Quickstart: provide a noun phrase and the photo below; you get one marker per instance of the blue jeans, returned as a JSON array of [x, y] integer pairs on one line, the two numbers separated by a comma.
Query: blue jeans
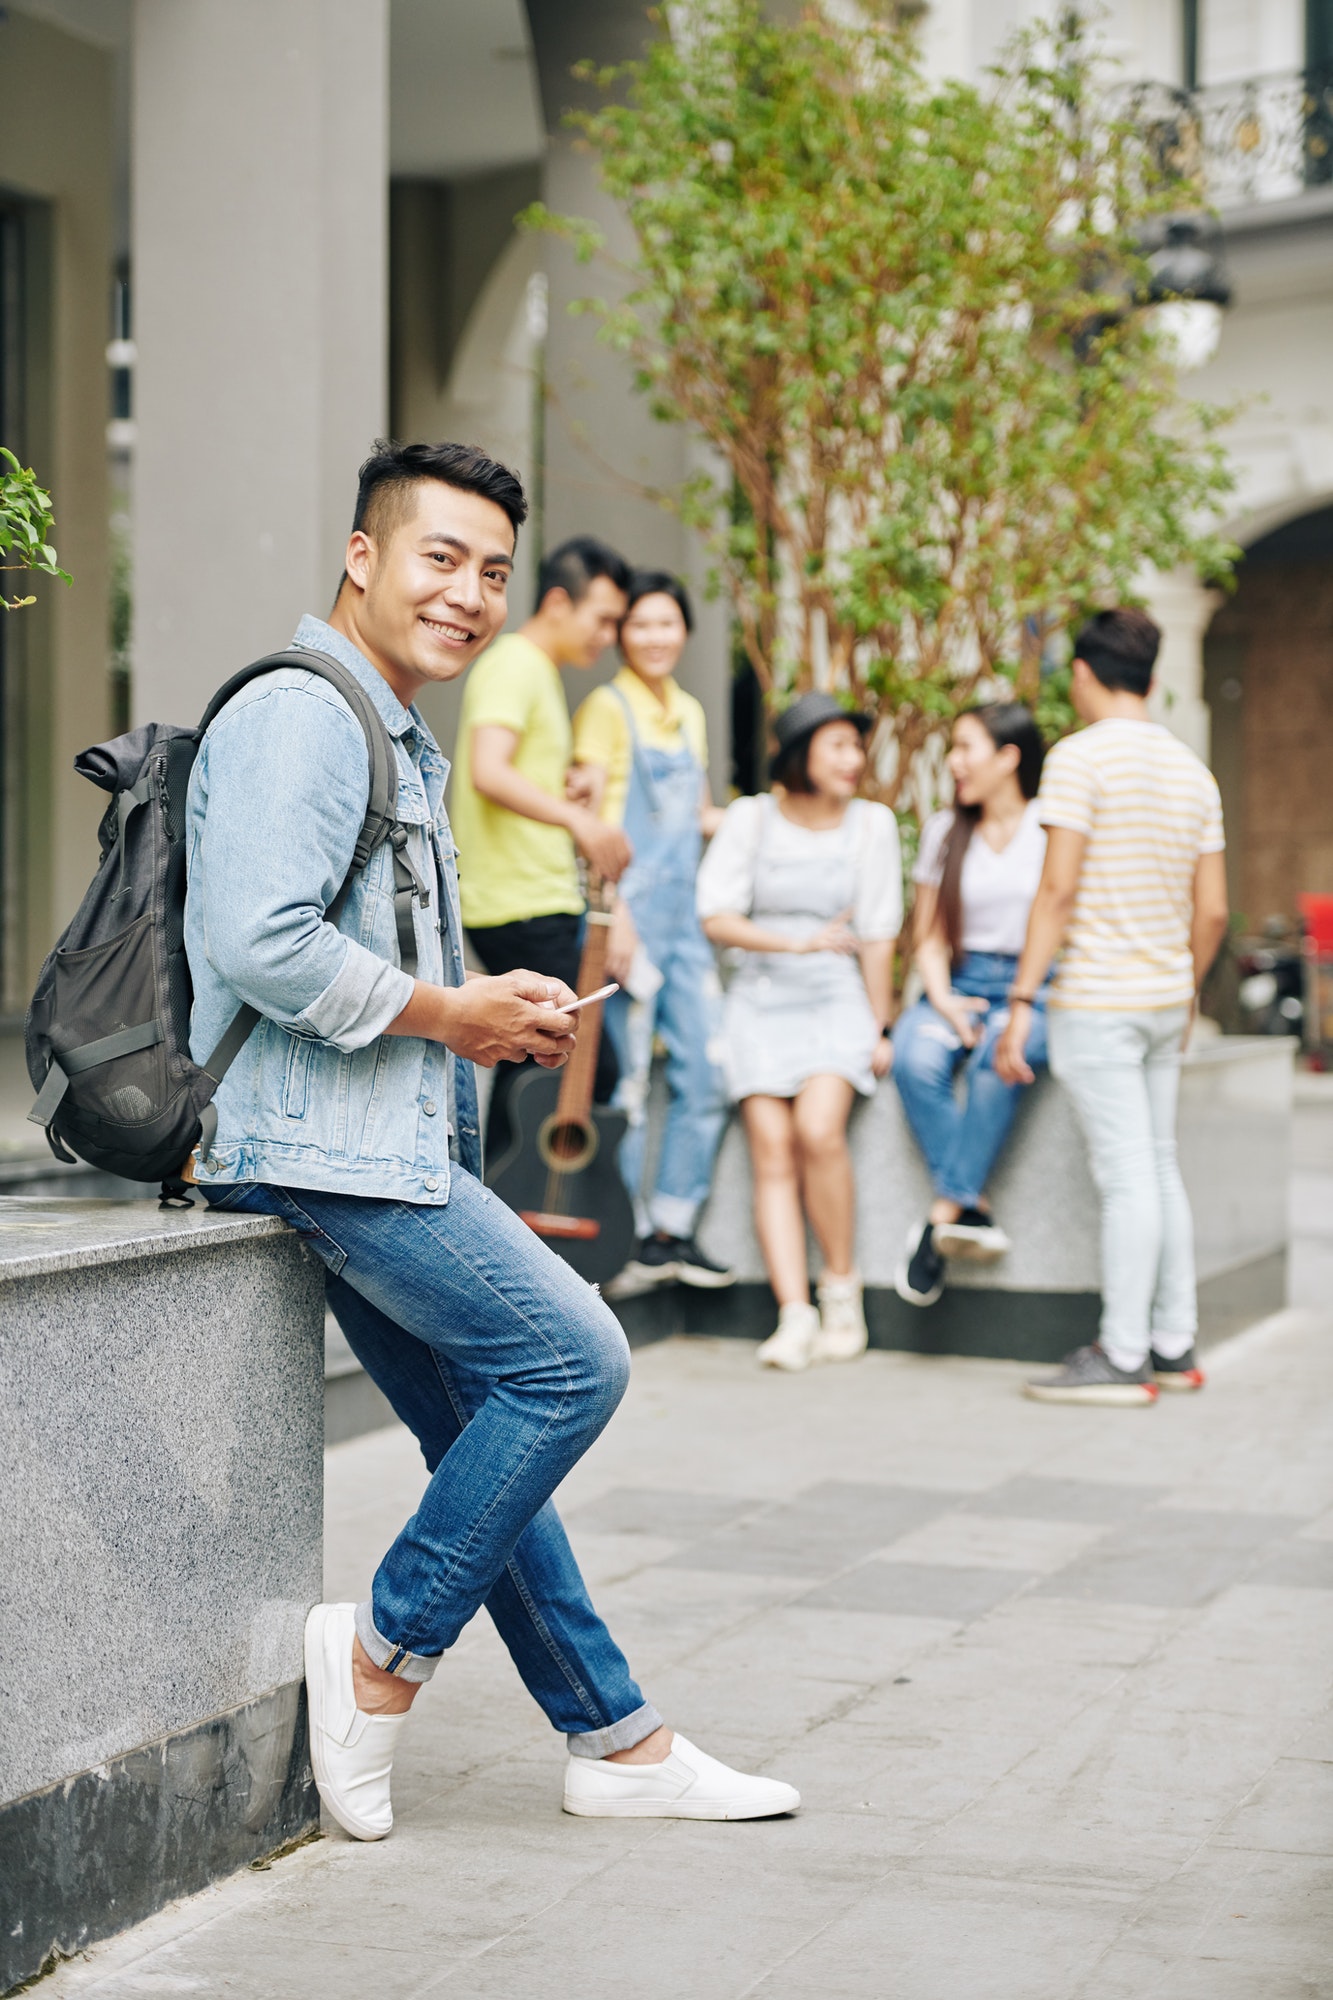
[[962, 1141], [686, 1011], [507, 1367], [1123, 1073]]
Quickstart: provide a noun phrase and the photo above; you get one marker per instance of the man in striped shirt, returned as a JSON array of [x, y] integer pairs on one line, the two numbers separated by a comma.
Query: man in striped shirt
[[1135, 889]]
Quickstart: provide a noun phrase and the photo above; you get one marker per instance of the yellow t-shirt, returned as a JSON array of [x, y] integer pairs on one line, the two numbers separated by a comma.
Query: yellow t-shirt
[[1149, 809], [510, 868], [601, 732]]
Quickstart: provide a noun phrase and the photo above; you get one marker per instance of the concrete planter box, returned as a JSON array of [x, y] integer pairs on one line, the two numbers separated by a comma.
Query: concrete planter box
[[161, 1438], [1235, 1123]]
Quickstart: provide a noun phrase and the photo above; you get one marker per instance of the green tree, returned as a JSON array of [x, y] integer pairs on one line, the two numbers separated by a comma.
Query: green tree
[[899, 312], [26, 522]]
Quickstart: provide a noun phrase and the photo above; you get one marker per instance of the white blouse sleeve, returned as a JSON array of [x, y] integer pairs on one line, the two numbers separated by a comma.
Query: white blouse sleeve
[[725, 885], [879, 878], [929, 855]]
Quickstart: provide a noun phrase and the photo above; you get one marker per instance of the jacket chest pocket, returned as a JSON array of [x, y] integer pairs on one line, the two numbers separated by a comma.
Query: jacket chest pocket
[[296, 1082]]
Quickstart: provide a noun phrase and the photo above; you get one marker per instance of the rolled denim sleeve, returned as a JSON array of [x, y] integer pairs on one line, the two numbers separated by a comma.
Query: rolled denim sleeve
[[287, 780]]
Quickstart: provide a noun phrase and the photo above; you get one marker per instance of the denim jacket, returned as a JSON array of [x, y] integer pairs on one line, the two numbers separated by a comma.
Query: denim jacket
[[320, 1096]]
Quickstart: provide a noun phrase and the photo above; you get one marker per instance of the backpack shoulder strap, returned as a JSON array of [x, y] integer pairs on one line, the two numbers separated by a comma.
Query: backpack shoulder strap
[[380, 824], [381, 814]]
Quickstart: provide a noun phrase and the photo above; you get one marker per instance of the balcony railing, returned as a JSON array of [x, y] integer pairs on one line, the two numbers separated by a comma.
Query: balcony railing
[[1264, 140]]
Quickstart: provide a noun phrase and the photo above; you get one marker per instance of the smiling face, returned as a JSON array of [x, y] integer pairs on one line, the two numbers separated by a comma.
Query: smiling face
[[428, 595], [653, 637], [981, 768], [836, 760]]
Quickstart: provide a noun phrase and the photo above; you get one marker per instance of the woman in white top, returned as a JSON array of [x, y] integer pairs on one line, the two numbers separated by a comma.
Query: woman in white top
[[806, 884], [976, 874]]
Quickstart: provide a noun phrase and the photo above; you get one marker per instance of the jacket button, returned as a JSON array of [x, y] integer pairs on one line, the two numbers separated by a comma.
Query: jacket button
[[429, 1107], [431, 1185]]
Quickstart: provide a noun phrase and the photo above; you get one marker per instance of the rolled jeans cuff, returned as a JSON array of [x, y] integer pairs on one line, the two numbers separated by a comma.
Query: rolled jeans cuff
[[621, 1735], [673, 1214], [389, 1658]]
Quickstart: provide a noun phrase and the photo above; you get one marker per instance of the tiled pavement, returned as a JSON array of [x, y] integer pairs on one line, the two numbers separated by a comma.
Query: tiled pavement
[[1055, 1686]]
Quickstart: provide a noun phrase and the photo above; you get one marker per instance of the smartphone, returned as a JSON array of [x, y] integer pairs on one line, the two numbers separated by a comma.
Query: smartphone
[[591, 999]]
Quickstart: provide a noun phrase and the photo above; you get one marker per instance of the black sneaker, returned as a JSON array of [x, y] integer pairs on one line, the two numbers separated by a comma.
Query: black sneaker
[[693, 1268], [919, 1278], [668, 1260], [654, 1263], [975, 1236], [1178, 1376]]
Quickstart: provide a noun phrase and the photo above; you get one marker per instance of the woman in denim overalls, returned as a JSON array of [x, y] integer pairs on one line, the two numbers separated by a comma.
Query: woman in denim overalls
[[641, 739]]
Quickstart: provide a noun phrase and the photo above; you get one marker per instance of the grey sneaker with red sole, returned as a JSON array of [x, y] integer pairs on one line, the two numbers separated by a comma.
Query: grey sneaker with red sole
[[1179, 1375]]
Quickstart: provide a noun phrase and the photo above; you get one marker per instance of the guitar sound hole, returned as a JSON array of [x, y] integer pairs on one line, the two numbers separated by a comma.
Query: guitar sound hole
[[567, 1144]]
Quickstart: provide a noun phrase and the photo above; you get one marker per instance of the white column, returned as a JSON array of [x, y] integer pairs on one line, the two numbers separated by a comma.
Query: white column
[[607, 456], [259, 244], [1183, 609]]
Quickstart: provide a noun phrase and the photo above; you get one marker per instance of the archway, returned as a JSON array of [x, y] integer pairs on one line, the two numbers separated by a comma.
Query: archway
[[1268, 679]]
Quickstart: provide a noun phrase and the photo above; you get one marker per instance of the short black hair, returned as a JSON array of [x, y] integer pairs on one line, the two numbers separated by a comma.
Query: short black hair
[[385, 482], [573, 566], [1120, 648], [659, 583]]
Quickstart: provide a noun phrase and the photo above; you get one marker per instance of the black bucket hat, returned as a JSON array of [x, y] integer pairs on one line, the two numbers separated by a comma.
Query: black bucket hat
[[797, 724]]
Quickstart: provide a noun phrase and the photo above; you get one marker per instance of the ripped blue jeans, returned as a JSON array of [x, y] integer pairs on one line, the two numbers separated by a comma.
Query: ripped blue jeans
[[962, 1138]]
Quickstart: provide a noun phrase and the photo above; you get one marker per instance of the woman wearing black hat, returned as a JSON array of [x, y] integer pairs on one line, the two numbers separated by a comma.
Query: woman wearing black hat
[[805, 882]]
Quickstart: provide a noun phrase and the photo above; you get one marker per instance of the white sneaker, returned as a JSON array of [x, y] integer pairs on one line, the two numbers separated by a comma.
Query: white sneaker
[[688, 1785], [842, 1320], [351, 1752], [793, 1345]]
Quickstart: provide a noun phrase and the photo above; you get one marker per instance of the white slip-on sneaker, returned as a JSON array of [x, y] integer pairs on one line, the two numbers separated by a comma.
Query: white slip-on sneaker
[[351, 1752], [687, 1785], [793, 1345], [842, 1319]]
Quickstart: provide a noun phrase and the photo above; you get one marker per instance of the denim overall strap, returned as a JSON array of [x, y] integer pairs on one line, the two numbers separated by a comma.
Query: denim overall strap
[[661, 810]]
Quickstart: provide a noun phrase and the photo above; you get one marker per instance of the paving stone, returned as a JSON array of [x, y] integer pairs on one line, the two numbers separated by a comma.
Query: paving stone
[[996, 1541], [1172, 1556], [826, 1528], [919, 1590], [1300, 1565], [655, 1510], [1088, 1500], [1290, 1811]]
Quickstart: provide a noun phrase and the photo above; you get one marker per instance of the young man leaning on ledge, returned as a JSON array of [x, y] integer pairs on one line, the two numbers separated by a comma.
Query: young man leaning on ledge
[[351, 1113]]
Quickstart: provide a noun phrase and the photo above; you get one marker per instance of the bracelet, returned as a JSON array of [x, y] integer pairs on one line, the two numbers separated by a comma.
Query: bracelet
[[1017, 999]]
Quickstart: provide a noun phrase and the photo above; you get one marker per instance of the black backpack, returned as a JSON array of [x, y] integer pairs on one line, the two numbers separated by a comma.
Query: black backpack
[[108, 1031]]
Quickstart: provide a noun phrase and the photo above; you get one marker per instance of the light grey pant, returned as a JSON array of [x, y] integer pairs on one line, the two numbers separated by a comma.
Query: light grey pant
[[1123, 1073]]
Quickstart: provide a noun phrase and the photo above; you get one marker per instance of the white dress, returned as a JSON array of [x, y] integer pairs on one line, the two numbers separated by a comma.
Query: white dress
[[791, 1017]]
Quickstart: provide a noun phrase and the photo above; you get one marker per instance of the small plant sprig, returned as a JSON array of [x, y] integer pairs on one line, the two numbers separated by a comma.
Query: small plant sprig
[[26, 522]]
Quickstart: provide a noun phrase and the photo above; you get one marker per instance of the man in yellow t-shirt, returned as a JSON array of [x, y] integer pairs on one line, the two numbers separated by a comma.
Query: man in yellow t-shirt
[[516, 826]]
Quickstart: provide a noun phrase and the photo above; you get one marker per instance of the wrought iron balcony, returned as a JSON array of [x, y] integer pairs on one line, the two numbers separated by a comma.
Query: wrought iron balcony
[[1264, 140]]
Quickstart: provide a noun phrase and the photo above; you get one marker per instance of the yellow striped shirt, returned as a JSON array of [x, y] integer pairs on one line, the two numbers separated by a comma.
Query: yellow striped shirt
[[1148, 809]]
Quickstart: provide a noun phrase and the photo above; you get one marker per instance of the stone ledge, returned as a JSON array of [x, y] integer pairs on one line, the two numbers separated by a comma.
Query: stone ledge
[[1036, 1326], [104, 1848], [43, 1235]]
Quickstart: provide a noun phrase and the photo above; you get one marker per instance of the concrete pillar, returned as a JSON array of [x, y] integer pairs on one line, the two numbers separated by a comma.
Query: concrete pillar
[[260, 203], [607, 458], [1184, 609], [56, 115]]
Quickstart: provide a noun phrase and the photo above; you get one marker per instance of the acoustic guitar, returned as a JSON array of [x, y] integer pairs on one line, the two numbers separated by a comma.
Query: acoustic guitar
[[560, 1173]]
